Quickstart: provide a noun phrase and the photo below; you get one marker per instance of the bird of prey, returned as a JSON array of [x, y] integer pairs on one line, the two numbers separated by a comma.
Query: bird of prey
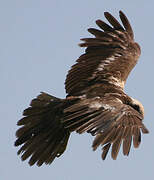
[[95, 103]]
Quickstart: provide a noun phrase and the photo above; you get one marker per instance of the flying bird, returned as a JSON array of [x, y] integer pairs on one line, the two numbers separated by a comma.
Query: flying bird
[[95, 103]]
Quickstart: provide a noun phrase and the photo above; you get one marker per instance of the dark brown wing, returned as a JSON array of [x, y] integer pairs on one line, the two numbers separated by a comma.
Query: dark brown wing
[[110, 120], [109, 56]]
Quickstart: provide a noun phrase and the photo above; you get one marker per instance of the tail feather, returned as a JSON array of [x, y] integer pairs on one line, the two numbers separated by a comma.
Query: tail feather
[[42, 135]]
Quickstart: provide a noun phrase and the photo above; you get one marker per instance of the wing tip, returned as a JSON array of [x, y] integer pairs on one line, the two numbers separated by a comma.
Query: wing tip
[[106, 13], [121, 13], [126, 24]]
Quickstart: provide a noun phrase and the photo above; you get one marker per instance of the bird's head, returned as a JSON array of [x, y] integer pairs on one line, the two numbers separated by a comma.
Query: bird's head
[[137, 106]]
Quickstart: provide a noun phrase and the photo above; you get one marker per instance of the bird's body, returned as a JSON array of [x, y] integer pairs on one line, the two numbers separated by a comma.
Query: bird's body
[[95, 103]]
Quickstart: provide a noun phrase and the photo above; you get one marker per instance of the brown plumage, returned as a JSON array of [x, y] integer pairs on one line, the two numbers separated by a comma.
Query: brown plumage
[[96, 102]]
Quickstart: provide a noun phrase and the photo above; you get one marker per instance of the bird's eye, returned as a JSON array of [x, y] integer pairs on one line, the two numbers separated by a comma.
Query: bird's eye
[[137, 108]]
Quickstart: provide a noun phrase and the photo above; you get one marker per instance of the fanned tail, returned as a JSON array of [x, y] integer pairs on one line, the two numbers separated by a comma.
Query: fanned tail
[[42, 135]]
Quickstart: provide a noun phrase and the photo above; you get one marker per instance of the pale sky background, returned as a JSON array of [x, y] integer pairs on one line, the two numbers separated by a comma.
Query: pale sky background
[[38, 45]]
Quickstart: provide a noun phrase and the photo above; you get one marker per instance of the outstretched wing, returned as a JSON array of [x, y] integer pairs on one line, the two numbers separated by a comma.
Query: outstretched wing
[[110, 120], [109, 56]]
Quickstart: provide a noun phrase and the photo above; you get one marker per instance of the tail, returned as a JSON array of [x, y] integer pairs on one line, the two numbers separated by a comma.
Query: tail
[[42, 135]]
